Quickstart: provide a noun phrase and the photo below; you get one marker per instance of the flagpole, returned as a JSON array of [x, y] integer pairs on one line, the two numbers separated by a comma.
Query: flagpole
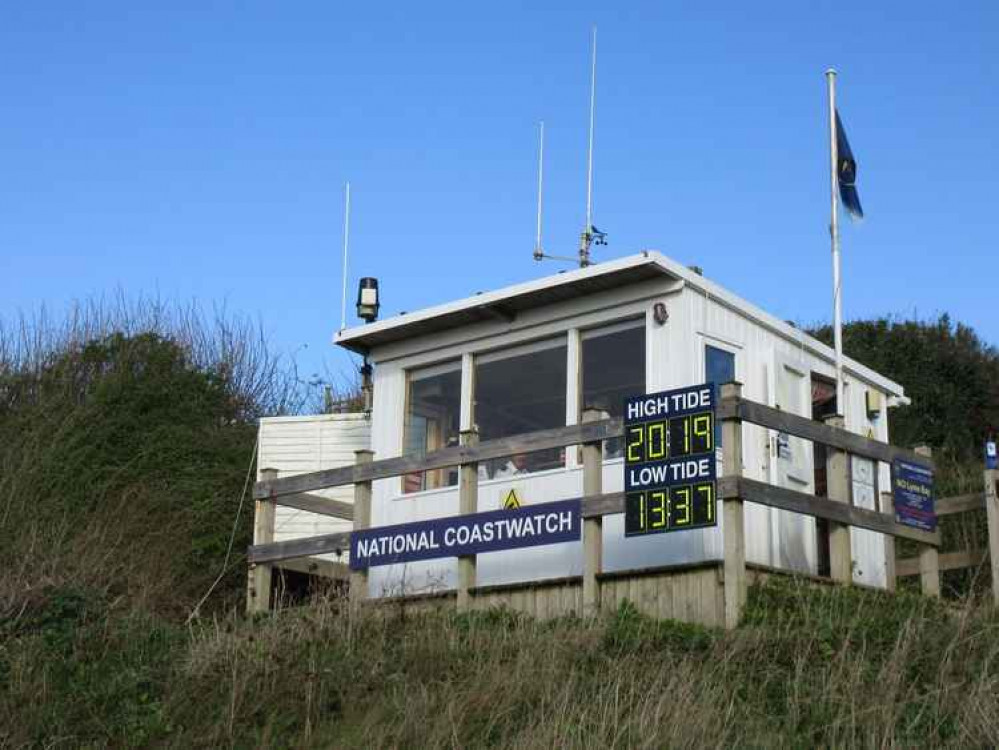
[[834, 236]]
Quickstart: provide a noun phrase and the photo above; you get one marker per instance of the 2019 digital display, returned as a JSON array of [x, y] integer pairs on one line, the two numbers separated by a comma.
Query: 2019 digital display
[[670, 438], [669, 462]]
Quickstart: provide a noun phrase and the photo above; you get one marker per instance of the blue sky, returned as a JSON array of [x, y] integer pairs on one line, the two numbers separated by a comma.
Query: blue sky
[[199, 151]]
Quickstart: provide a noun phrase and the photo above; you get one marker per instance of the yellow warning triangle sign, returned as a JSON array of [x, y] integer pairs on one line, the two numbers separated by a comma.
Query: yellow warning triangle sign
[[511, 501]]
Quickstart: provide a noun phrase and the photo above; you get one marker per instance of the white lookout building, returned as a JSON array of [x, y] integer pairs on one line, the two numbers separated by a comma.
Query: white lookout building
[[533, 356]]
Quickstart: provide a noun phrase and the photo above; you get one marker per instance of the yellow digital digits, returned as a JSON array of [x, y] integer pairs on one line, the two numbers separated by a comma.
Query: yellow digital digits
[[636, 440], [707, 493], [676, 507], [682, 436], [681, 504]]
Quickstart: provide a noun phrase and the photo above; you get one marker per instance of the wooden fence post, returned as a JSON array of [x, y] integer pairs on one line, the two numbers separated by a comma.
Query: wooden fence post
[[593, 468], [838, 491], [468, 502], [734, 530], [992, 516], [258, 590], [929, 556], [891, 576], [362, 520]]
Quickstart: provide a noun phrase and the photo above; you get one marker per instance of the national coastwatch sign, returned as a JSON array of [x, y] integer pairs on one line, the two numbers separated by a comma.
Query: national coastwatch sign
[[669, 461], [472, 534]]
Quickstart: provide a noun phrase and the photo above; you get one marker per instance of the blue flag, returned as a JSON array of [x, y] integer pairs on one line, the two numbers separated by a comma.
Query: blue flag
[[846, 172]]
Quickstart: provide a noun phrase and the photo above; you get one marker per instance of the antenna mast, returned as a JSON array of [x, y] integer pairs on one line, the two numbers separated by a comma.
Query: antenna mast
[[586, 239], [538, 251], [346, 240]]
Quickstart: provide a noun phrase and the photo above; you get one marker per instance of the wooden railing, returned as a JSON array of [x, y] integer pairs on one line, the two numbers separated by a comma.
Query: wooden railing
[[734, 490], [969, 558]]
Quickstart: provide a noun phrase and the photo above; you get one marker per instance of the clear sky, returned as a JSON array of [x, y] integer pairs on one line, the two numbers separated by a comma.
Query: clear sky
[[199, 150]]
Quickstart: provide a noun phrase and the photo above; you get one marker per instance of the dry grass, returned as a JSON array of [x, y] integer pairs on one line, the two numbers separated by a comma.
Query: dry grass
[[808, 668]]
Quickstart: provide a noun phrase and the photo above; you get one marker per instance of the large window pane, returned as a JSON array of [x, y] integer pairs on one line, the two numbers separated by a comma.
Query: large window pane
[[613, 370], [433, 408], [521, 391], [719, 367]]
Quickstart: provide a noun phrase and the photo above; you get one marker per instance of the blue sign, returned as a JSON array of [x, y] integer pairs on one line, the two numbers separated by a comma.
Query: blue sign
[[473, 534], [990, 455], [912, 489], [669, 460]]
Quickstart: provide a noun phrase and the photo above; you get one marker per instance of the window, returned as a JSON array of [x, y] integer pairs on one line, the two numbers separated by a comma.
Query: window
[[433, 408], [613, 369], [517, 391], [719, 367]]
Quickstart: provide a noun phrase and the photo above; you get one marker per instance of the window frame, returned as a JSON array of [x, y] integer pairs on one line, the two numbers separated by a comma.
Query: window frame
[[561, 340], [628, 323], [467, 360], [724, 345], [425, 372]]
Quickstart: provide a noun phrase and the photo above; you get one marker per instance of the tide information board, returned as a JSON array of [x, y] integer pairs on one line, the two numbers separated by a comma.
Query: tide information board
[[669, 461]]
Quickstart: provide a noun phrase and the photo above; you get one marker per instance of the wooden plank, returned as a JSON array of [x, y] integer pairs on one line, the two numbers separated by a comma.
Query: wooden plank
[[929, 556], [468, 503], [558, 437], [992, 522], [310, 545], [888, 506], [593, 470], [603, 505], [946, 506], [763, 493], [362, 520], [802, 427], [929, 571], [258, 593], [733, 515], [541, 605], [323, 506], [838, 491], [665, 585], [712, 606], [909, 566]]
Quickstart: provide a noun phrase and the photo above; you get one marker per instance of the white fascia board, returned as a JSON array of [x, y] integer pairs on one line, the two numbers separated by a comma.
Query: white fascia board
[[673, 268], [344, 417], [488, 298], [775, 324]]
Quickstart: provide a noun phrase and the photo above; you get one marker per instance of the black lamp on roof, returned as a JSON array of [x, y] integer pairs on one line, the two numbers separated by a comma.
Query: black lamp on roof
[[367, 299]]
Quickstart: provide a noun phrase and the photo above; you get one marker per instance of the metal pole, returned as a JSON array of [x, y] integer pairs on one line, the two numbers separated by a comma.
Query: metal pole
[[538, 252], [584, 246], [834, 234], [346, 239]]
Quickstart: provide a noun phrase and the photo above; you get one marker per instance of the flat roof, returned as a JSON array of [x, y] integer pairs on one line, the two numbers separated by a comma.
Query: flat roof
[[504, 304]]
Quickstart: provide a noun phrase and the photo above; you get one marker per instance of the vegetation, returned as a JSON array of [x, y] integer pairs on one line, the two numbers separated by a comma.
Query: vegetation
[[952, 377], [126, 440], [810, 668], [950, 374]]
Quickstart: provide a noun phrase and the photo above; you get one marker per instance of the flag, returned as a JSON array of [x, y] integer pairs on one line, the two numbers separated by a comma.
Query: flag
[[846, 172]]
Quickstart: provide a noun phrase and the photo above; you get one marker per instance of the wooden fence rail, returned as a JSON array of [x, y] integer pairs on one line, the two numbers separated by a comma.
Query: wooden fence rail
[[733, 490], [948, 506]]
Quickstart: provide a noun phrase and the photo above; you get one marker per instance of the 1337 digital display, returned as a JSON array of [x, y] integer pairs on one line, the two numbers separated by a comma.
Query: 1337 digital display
[[669, 466]]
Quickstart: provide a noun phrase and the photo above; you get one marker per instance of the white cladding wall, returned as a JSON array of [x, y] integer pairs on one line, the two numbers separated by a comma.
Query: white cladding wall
[[296, 445], [675, 358]]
